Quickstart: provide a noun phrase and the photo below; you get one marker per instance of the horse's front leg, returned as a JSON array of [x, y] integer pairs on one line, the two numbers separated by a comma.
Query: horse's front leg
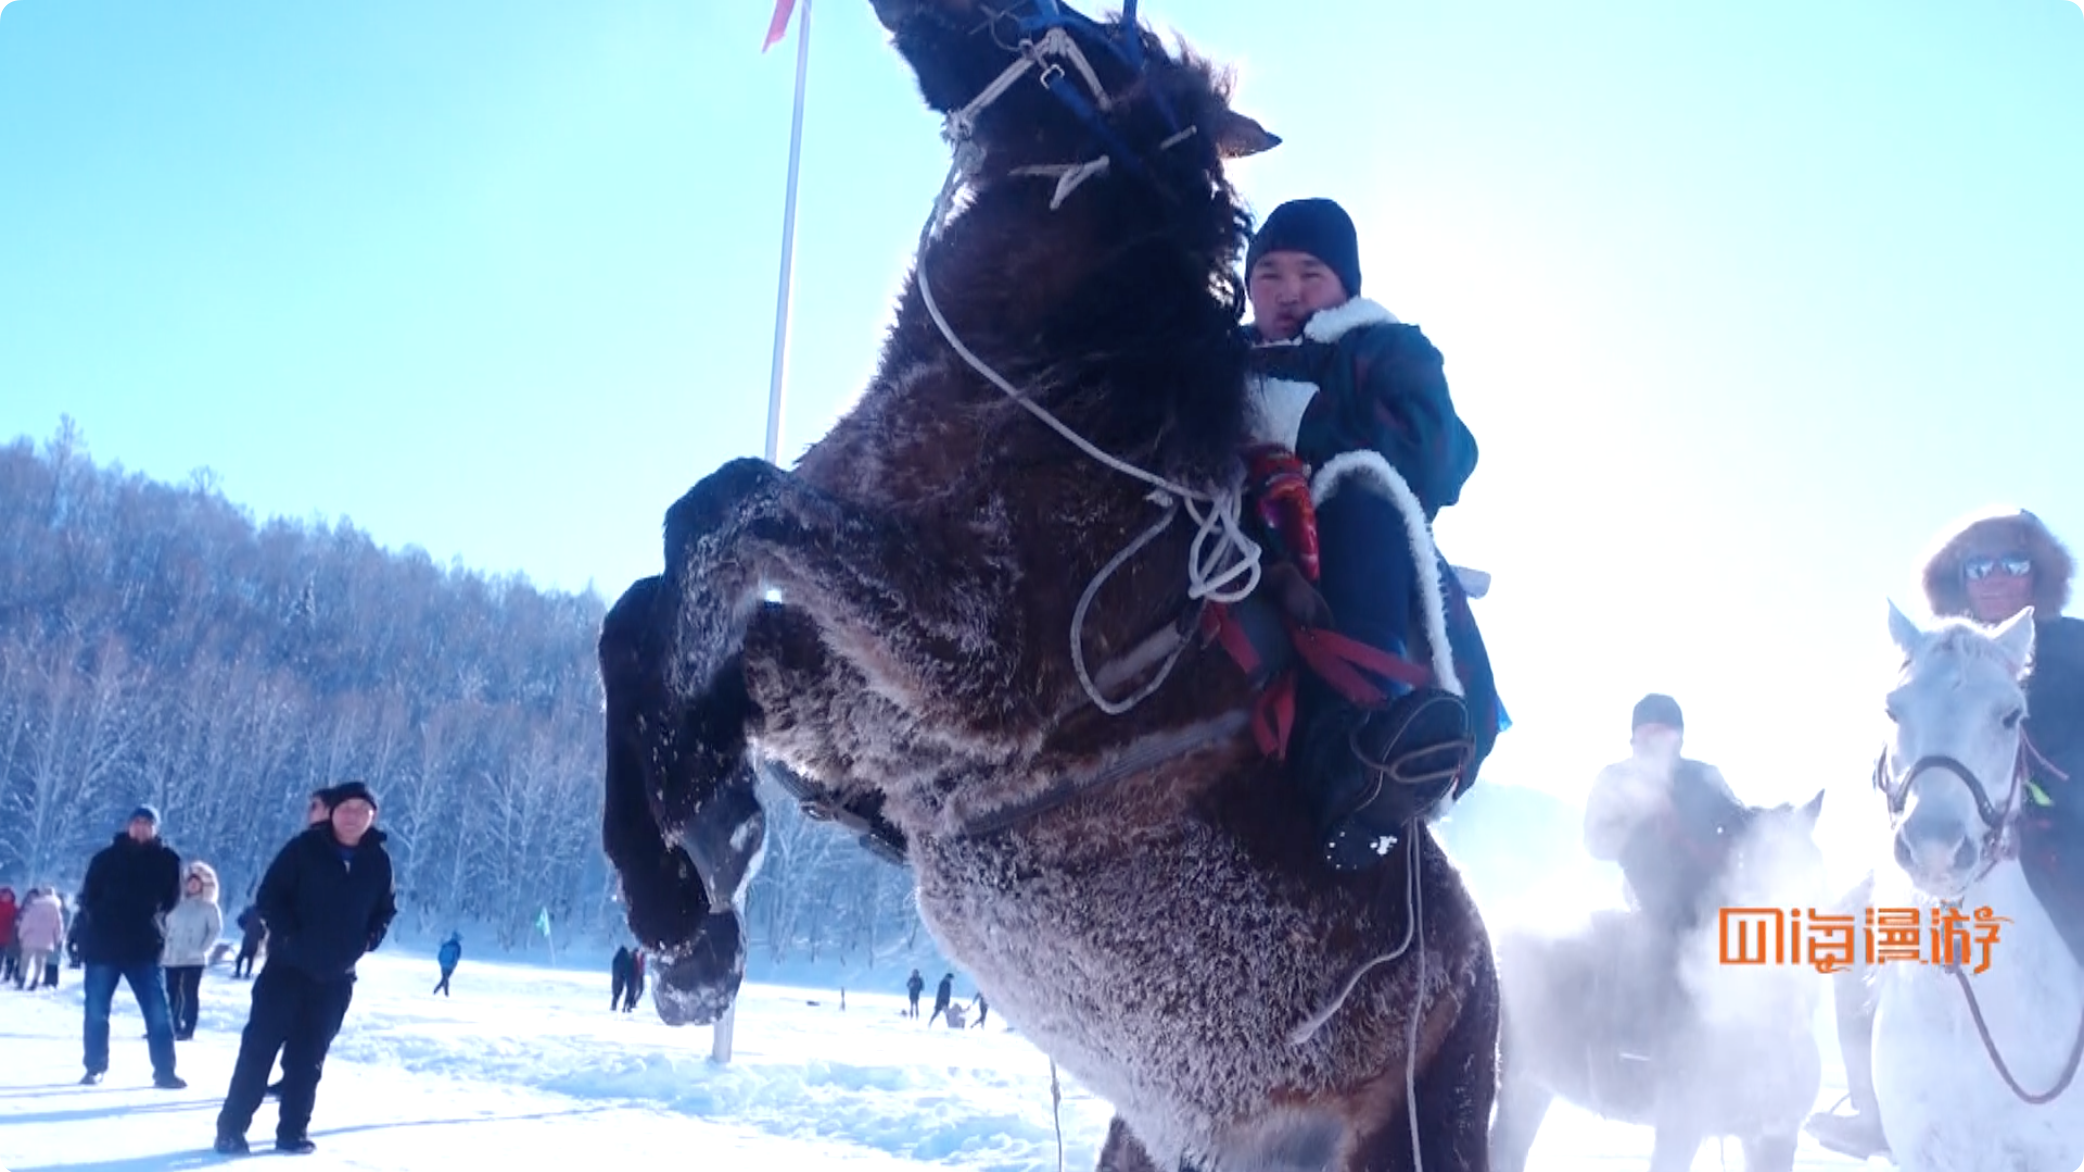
[[922, 612]]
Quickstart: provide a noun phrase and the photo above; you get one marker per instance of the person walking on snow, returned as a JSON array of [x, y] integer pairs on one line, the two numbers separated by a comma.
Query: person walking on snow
[[1353, 405], [942, 995], [328, 900], [9, 948], [318, 811], [915, 985], [636, 980], [192, 929], [40, 934], [131, 885], [450, 952], [252, 933], [619, 978]]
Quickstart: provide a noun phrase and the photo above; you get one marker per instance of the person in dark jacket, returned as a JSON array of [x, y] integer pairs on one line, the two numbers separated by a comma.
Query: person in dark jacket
[[1989, 567], [447, 956], [619, 974], [1351, 406], [131, 885], [252, 934], [327, 900], [942, 995], [636, 981], [915, 985]]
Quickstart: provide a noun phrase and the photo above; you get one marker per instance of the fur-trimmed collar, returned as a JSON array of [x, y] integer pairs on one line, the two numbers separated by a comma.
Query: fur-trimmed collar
[[1329, 325], [1994, 532]]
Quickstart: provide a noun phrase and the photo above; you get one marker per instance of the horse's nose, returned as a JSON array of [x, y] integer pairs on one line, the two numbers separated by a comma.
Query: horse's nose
[[1934, 850]]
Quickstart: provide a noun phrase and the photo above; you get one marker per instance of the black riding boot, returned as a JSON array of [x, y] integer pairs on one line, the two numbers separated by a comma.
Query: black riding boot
[[1369, 773]]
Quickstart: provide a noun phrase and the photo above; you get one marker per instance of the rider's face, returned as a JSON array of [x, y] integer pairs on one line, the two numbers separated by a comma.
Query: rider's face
[[1286, 288], [1998, 587]]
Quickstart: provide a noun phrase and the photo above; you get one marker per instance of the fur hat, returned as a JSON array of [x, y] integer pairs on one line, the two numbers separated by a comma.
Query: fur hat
[[147, 813], [1993, 533], [1316, 226]]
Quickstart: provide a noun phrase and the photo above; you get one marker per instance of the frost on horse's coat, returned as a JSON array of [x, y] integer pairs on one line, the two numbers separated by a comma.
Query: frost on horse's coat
[[1149, 907]]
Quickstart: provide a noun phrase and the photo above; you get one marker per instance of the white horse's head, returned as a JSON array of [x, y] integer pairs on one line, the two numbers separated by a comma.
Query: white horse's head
[[1951, 770]]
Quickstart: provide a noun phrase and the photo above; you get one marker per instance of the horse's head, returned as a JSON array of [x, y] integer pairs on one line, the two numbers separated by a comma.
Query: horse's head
[[1950, 771], [1774, 860], [1041, 101]]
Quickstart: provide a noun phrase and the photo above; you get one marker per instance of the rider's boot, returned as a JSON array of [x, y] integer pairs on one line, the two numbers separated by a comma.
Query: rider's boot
[[1859, 1134], [1368, 773]]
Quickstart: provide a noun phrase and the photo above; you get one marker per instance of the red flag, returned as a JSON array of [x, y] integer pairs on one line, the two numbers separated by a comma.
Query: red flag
[[780, 24]]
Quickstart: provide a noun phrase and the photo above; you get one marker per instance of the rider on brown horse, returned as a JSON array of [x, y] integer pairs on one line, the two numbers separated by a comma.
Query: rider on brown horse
[[1670, 822], [1338, 379], [1989, 568]]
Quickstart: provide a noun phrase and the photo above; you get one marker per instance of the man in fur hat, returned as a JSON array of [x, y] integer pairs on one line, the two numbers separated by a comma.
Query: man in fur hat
[[1988, 568], [1351, 405]]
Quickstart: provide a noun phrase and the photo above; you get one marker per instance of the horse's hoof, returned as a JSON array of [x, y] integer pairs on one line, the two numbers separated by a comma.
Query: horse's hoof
[[697, 985]]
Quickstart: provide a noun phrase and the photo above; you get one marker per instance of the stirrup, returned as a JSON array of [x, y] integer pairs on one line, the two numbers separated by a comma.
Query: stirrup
[[1399, 770]]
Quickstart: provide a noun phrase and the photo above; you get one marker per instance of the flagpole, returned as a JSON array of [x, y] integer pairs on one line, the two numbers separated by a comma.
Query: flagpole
[[788, 246], [720, 1034]]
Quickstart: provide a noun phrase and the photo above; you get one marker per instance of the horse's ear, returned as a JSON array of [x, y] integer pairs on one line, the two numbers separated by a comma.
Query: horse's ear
[[1906, 633], [2014, 637], [1812, 810], [1238, 137]]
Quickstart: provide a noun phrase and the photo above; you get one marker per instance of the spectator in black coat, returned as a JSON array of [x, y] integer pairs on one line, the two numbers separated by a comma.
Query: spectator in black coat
[[619, 972], [131, 885], [327, 900]]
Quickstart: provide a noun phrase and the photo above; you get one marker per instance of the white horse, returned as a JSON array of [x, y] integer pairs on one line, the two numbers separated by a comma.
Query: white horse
[[1974, 1070]]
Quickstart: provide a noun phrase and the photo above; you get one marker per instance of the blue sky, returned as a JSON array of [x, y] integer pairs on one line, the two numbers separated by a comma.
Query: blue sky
[[1742, 301]]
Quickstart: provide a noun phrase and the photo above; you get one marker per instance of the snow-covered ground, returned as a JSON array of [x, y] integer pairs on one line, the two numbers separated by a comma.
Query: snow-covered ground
[[526, 1064]]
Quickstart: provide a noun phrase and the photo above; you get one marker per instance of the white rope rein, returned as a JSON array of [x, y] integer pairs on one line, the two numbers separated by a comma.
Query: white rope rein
[[1227, 572]]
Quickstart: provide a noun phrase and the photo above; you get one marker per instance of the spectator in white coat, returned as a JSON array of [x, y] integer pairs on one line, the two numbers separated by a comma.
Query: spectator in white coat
[[192, 929]]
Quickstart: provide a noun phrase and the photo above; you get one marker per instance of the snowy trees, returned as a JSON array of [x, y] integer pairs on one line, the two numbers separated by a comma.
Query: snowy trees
[[156, 645]]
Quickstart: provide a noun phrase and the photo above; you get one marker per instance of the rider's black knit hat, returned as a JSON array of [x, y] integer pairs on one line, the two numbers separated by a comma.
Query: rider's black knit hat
[[1318, 227], [1657, 708]]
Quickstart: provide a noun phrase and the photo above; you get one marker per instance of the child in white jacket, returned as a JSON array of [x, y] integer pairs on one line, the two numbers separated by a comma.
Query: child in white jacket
[[192, 929]]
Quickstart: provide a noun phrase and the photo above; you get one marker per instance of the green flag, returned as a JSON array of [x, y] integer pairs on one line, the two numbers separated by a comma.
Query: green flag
[[542, 922]]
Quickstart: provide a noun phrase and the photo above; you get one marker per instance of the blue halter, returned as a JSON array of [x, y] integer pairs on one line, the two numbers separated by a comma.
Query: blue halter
[[1124, 43]]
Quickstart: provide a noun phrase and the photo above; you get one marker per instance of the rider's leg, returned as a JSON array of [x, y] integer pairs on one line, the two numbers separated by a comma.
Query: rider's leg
[[1859, 1134], [1369, 772]]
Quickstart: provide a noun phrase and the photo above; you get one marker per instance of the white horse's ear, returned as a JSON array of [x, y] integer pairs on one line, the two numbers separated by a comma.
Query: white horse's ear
[[2014, 637], [1906, 633]]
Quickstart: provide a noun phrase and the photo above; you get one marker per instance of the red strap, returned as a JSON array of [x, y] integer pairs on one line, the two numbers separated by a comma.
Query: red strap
[[1332, 656]]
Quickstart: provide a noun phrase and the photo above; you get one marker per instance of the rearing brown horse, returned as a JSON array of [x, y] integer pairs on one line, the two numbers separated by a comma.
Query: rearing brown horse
[[1135, 886]]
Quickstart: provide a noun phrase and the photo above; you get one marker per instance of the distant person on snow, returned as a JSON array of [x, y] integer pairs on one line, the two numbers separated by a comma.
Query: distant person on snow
[[915, 986], [942, 996], [1989, 567], [636, 980], [9, 911], [328, 900], [252, 934], [131, 885], [450, 952], [192, 929], [619, 971], [983, 1008], [39, 933]]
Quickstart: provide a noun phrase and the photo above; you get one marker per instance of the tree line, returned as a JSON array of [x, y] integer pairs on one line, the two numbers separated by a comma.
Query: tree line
[[158, 644]]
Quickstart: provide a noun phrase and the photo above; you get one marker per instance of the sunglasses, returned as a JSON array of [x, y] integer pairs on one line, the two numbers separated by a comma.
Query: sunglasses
[[2012, 564]]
